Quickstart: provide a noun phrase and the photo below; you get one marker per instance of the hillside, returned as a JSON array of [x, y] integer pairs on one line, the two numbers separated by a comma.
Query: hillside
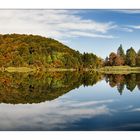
[[24, 50], [18, 50]]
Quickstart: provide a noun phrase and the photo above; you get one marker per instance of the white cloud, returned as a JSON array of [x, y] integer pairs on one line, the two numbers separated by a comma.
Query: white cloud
[[59, 24], [134, 26], [80, 33], [91, 103], [127, 29], [131, 11], [135, 110], [57, 114]]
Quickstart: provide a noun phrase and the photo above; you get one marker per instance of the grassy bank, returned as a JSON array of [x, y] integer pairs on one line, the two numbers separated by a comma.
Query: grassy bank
[[60, 69], [32, 69], [19, 69], [119, 70], [106, 70]]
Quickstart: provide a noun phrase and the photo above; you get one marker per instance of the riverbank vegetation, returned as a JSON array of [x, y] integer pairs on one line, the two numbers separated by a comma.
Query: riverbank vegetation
[[31, 53], [119, 69], [130, 58]]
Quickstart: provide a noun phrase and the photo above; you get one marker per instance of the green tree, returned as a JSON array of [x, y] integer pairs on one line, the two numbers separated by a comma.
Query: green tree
[[106, 62], [90, 60], [131, 57], [120, 52], [138, 59]]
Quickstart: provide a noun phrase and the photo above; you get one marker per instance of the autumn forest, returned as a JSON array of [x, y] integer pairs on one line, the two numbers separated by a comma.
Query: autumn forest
[[35, 51]]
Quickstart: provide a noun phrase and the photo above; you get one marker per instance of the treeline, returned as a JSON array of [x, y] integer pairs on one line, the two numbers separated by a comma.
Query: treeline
[[36, 51], [130, 58], [21, 50], [90, 60], [32, 50]]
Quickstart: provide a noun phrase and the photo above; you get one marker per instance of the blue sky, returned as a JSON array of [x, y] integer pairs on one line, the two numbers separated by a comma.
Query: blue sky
[[97, 31], [126, 32]]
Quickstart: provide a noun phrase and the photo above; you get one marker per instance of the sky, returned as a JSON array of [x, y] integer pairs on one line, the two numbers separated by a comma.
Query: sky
[[96, 31]]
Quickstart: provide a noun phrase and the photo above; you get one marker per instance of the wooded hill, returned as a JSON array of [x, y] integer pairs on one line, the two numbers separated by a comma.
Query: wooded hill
[[18, 50], [21, 50]]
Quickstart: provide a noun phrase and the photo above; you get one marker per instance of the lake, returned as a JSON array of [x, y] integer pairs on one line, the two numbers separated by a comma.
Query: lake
[[69, 101]]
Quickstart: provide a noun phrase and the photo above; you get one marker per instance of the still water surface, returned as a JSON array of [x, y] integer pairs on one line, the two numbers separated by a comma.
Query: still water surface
[[69, 102]]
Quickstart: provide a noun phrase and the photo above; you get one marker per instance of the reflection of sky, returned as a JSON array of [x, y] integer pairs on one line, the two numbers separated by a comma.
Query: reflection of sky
[[97, 107]]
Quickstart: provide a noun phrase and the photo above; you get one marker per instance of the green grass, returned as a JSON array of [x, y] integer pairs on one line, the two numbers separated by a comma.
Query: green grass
[[20, 69], [28, 69], [107, 69], [119, 70], [60, 69]]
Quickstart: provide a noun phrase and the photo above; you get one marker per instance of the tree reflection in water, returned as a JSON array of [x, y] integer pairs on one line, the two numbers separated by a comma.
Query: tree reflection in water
[[130, 81], [30, 88]]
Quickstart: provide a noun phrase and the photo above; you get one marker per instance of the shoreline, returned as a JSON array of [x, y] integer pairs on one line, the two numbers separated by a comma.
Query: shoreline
[[105, 70], [119, 70]]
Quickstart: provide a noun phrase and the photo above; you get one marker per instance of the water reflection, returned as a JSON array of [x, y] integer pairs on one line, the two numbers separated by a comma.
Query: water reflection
[[129, 81], [58, 115], [30, 88], [69, 101]]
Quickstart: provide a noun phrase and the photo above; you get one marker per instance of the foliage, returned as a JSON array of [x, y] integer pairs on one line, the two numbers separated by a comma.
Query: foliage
[[138, 59], [90, 60], [115, 60], [130, 58], [120, 52], [18, 50]]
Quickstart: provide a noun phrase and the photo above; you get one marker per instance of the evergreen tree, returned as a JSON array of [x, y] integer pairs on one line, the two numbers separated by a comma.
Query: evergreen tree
[[138, 59], [120, 52], [106, 61], [131, 57]]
